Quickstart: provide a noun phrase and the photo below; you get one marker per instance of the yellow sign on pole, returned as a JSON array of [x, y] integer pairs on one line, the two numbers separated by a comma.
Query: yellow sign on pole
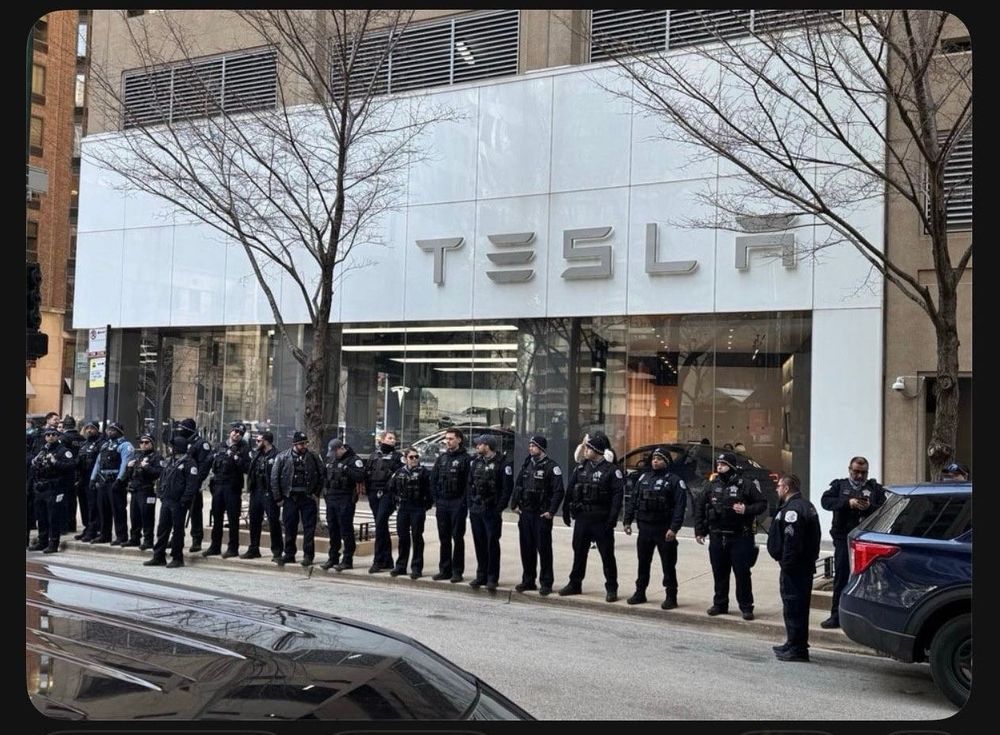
[[97, 372]]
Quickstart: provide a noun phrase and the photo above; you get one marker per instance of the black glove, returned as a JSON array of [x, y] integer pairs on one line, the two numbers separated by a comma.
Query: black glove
[[567, 521]]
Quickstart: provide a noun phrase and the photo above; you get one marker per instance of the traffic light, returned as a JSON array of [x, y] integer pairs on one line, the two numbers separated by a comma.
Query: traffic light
[[34, 274]]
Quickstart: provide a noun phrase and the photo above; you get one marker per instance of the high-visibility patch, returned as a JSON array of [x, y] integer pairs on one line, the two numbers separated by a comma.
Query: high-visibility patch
[[358, 463], [618, 474], [508, 470], [556, 470], [194, 470], [791, 516]]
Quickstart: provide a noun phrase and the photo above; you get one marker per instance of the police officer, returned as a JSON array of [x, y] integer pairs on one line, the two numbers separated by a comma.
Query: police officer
[[955, 472], [297, 480], [109, 470], [382, 465], [851, 499], [261, 502], [141, 474], [491, 481], [593, 500], [51, 469], [538, 493], [657, 500], [726, 511], [72, 440], [411, 491], [179, 485], [34, 443], [344, 472], [200, 451], [229, 469], [449, 480], [86, 459], [793, 541]]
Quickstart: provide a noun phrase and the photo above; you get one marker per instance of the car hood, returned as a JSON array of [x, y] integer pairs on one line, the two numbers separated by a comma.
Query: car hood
[[107, 646]]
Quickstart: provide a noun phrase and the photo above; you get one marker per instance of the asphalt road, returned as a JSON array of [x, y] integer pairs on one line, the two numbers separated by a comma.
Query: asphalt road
[[565, 664]]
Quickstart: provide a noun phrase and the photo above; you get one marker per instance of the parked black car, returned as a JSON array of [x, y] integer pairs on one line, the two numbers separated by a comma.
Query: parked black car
[[431, 446], [910, 591], [103, 646], [695, 463]]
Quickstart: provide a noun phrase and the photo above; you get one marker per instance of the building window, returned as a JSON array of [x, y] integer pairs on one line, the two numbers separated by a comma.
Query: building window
[[80, 96], [452, 51], [81, 39], [958, 185], [961, 45], [40, 36], [37, 130], [200, 88], [31, 247], [38, 83]]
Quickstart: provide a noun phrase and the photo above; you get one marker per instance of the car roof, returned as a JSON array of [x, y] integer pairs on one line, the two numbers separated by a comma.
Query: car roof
[[932, 488], [142, 647]]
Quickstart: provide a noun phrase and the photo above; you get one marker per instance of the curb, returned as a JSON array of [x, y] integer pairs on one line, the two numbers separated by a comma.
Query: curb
[[833, 640]]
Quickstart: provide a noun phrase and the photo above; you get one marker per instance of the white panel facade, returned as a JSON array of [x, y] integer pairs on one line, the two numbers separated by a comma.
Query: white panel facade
[[846, 396], [374, 275], [447, 170], [591, 131], [524, 216], [245, 302], [515, 137], [97, 298], [102, 205], [669, 207], [148, 254], [198, 277]]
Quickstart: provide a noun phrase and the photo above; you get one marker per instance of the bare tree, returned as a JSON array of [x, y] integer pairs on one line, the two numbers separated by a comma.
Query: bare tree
[[298, 178], [815, 115]]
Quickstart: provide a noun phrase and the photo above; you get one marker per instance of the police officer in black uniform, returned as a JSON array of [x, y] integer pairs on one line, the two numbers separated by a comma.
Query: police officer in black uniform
[[200, 451], [51, 469], [727, 511], [141, 474], [593, 500], [229, 469], [73, 440], [261, 502], [851, 499], [491, 482], [793, 541], [344, 471], [296, 482], [178, 486], [411, 491], [449, 480], [109, 471], [538, 493], [657, 499], [34, 443], [382, 465], [86, 459]]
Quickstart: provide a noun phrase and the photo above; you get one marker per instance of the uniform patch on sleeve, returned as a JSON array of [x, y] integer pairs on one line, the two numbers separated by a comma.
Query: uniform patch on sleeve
[[206, 446], [508, 470], [59, 498], [756, 484], [163, 463], [618, 474], [791, 516], [69, 454], [683, 486], [358, 463], [556, 470], [194, 470]]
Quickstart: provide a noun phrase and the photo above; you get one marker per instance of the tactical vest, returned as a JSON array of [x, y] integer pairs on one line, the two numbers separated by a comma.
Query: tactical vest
[[652, 496], [43, 470], [452, 485], [534, 487], [261, 471], [88, 454], [721, 498], [298, 470], [592, 491], [225, 465], [137, 481], [380, 471], [484, 481], [409, 489], [110, 460]]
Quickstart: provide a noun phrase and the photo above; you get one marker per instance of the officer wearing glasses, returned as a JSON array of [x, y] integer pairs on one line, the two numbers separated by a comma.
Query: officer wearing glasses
[[851, 499]]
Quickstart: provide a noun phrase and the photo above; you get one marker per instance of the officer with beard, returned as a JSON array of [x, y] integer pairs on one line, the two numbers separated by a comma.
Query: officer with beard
[[141, 473], [86, 460], [261, 503], [411, 491], [344, 472], [109, 470], [726, 512], [229, 469], [199, 450], [657, 501], [50, 470], [449, 479], [593, 501], [538, 493], [297, 480], [382, 465], [491, 482], [851, 499], [72, 440], [178, 487]]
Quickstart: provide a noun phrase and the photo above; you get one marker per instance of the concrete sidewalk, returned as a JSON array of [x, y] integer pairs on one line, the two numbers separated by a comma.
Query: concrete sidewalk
[[694, 576]]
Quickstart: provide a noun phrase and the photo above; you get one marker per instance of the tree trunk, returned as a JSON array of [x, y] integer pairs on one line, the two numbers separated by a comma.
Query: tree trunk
[[941, 448], [317, 367]]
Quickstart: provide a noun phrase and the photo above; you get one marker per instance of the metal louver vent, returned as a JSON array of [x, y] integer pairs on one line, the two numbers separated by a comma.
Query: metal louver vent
[[688, 27], [779, 20], [631, 31], [958, 185], [434, 54], [194, 89]]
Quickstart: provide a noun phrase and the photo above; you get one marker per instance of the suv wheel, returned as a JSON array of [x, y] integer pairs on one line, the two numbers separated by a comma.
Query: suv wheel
[[951, 659]]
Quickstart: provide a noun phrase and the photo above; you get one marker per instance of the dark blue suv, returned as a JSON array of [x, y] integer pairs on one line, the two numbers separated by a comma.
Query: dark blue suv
[[910, 591]]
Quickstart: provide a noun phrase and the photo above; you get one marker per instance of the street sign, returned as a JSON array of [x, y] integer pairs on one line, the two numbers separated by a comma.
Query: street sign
[[96, 372], [98, 343]]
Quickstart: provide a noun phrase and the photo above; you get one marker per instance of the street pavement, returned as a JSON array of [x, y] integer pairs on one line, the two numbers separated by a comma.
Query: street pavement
[[694, 576]]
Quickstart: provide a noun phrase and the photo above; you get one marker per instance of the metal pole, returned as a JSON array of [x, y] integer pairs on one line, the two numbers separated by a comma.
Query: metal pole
[[107, 373]]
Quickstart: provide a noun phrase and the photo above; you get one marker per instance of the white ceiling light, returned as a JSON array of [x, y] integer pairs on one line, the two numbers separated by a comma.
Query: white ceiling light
[[476, 370], [429, 348], [431, 330], [477, 360]]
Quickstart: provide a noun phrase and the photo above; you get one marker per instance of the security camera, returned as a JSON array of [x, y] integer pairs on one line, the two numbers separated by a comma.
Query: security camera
[[899, 384]]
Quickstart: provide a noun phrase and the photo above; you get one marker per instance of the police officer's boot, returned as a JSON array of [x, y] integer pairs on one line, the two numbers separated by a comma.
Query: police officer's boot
[[175, 562], [345, 563], [612, 595], [251, 553], [637, 598], [52, 548], [37, 546], [570, 589], [330, 563], [195, 546], [156, 561], [670, 602]]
